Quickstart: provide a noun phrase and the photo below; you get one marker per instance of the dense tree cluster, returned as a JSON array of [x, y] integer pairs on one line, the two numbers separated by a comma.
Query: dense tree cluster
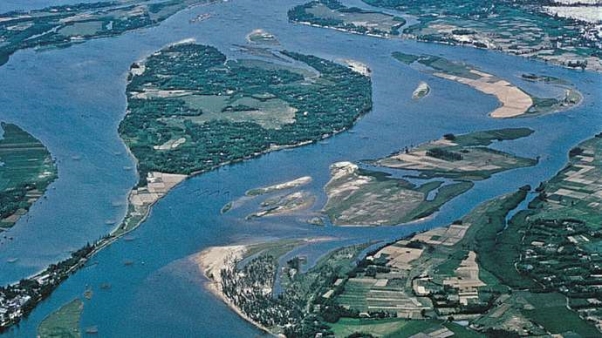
[[326, 106], [444, 154], [300, 310], [14, 199]]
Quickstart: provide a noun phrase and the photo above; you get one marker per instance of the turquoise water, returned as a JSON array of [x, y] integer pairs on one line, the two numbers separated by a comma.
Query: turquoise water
[[73, 99]]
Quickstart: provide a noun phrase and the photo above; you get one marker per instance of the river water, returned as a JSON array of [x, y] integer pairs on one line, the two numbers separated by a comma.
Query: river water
[[73, 99]]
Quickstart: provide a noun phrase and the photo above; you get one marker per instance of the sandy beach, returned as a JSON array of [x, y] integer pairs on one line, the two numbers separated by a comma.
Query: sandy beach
[[211, 261], [513, 101]]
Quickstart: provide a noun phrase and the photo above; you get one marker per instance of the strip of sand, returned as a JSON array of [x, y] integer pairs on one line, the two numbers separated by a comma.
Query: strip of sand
[[211, 261], [514, 101], [357, 66]]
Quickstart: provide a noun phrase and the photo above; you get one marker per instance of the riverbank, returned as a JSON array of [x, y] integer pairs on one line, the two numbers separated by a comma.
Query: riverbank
[[245, 288], [155, 184], [211, 262], [26, 170]]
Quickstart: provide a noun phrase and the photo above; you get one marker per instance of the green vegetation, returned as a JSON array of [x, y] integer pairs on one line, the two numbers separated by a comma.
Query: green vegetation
[[485, 138], [390, 327], [274, 249], [494, 251], [444, 194], [370, 197], [21, 298], [551, 251], [549, 308], [426, 277], [461, 157], [437, 63], [520, 28], [444, 154], [301, 310], [364, 197], [543, 78], [555, 245], [332, 14], [62, 26], [408, 59], [179, 120], [63, 323], [26, 170]]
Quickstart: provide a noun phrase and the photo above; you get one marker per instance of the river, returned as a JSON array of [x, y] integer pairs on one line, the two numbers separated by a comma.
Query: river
[[73, 100]]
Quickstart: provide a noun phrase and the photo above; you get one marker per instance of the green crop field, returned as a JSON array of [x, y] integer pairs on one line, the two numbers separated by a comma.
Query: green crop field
[[26, 170]]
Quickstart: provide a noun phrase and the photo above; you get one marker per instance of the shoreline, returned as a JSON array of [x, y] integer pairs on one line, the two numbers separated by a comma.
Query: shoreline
[[411, 37], [75, 263], [210, 262]]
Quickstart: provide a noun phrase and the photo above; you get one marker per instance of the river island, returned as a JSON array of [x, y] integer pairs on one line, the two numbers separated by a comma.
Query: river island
[[181, 122]]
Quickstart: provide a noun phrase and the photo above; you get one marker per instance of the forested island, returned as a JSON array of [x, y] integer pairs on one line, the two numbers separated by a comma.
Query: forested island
[[462, 157], [191, 110], [62, 26]]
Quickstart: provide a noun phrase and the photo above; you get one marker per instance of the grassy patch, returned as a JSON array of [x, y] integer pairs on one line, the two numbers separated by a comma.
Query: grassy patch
[[462, 157], [485, 138], [390, 327], [408, 59], [551, 312], [444, 195], [363, 197], [63, 323], [497, 247]]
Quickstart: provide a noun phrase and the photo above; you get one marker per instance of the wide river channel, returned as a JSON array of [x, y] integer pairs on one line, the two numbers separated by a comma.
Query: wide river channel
[[73, 100]]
